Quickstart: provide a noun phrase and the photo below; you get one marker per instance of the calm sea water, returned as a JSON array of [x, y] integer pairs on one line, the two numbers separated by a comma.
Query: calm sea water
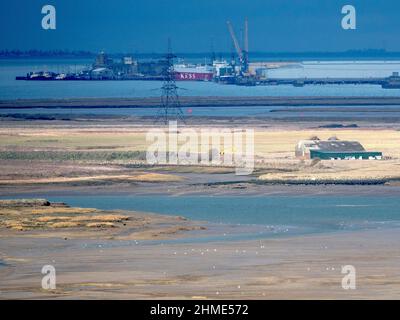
[[269, 215], [12, 89]]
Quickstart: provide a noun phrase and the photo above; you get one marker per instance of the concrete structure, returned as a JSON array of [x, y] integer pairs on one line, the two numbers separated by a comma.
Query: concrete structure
[[222, 68], [105, 68], [101, 74], [102, 61], [334, 149], [392, 82], [152, 68]]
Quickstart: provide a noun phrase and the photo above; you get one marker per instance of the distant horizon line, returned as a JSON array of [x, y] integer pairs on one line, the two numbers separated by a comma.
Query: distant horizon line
[[90, 53]]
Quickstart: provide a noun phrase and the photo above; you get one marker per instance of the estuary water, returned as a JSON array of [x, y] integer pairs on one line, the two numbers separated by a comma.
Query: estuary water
[[265, 216], [13, 89]]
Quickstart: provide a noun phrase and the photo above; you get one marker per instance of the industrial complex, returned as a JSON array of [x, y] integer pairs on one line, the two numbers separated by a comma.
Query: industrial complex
[[237, 70]]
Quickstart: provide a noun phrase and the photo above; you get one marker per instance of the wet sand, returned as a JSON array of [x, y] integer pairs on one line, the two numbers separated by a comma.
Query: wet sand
[[200, 185], [286, 268], [146, 256]]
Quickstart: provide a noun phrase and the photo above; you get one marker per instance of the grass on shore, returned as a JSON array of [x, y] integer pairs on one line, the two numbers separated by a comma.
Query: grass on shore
[[23, 215]]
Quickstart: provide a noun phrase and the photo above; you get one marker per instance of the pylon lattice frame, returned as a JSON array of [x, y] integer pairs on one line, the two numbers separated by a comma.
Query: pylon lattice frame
[[170, 104]]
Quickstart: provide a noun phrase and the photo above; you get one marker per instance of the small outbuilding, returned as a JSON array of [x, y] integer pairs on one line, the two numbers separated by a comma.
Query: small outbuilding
[[334, 149]]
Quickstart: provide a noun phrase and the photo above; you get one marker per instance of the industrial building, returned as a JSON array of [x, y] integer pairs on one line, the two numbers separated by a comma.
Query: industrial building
[[105, 68], [152, 68], [334, 149], [101, 73]]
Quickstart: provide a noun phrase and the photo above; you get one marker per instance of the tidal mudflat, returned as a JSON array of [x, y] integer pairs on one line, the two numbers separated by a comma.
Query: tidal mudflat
[[132, 230], [287, 268]]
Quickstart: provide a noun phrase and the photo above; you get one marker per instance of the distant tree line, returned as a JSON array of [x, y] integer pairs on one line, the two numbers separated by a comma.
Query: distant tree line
[[365, 53], [45, 53]]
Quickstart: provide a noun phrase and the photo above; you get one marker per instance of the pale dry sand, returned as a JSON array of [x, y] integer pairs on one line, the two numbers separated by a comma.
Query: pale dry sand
[[286, 268], [274, 156], [278, 147], [141, 177]]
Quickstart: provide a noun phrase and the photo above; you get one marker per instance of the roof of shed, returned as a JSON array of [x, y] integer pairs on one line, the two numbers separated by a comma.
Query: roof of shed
[[338, 145]]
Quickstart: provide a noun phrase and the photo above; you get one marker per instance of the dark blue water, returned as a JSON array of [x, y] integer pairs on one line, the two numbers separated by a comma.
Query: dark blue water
[[298, 214]]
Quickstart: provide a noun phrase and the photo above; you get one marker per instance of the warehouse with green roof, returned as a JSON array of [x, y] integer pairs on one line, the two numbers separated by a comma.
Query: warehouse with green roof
[[334, 149]]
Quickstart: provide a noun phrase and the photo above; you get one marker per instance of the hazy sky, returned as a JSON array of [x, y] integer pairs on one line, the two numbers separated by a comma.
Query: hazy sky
[[144, 26]]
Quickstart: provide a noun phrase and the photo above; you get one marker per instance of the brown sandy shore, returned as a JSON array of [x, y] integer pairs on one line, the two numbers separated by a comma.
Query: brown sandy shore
[[194, 101], [73, 154], [128, 255], [292, 268], [40, 218], [107, 254]]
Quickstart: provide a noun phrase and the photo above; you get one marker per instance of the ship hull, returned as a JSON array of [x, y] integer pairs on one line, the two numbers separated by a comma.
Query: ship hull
[[193, 76]]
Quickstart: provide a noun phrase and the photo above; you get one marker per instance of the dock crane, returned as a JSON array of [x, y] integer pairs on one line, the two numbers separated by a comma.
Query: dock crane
[[244, 77], [246, 46], [242, 54]]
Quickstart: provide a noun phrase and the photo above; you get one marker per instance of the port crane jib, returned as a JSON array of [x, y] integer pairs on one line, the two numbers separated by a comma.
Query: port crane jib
[[243, 54]]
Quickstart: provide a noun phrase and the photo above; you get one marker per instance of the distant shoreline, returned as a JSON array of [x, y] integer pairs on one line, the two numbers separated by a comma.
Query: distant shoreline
[[378, 53], [196, 101]]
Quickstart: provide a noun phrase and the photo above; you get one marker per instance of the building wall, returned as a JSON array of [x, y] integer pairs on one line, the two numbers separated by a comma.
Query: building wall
[[345, 155], [153, 68], [302, 150]]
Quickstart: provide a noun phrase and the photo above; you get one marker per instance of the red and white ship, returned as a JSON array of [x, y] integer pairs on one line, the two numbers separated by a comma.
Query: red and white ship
[[186, 72]]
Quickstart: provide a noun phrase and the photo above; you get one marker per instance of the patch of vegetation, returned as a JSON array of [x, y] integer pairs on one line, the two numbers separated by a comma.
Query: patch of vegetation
[[338, 125], [107, 156], [30, 214]]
